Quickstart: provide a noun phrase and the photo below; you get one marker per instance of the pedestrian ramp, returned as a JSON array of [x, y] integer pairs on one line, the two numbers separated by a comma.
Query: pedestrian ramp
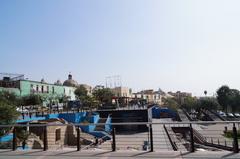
[[160, 138]]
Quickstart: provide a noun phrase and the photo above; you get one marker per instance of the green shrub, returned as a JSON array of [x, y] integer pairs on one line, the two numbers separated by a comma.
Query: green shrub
[[229, 134]]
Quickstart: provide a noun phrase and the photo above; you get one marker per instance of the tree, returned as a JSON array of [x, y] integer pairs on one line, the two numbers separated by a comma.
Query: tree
[[234, 99], [208, 103], [81, 92], [8, 115], [86, 100], [32, 100], [223, 97], [205, 92], [9, 98], [171, 103], [90, 102], [104, 96], [190, 103]]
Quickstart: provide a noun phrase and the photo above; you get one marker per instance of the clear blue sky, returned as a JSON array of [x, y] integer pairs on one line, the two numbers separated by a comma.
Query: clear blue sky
[[187, 45]]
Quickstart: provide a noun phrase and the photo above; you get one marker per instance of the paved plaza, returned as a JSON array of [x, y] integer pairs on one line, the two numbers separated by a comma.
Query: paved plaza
[[39, 154]]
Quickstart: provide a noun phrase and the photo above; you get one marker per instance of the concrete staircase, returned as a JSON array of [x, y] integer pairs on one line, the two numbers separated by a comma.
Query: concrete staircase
[[182, 115], [160, 138], [177, 139]]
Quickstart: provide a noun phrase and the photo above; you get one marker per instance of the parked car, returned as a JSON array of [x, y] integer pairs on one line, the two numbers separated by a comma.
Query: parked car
[[230, 115], [237, 115], [222, 114]]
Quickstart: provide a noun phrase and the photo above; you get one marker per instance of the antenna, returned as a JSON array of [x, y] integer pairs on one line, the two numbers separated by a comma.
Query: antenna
[[113, 81]]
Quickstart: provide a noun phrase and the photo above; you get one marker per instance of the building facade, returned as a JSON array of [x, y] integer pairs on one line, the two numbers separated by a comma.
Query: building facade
[[151, 96], [180, 96], [122, 92], [23, 87]]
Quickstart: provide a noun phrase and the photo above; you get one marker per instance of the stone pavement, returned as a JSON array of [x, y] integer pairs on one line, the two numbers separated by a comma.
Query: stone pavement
[[91, 154]]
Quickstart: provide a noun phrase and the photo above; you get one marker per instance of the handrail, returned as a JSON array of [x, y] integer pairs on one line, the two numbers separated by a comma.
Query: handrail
[[188, 116], [206, 143], [125, 123], [94, 143], [174, 146]]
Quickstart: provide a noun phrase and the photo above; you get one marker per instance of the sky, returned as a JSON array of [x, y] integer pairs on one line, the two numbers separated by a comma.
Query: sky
[[186, 45]]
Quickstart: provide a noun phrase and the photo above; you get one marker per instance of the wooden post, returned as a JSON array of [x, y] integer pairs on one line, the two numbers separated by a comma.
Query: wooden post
[[235, 140], [151, 138], [78, 139], [14, 141], [191, 139], [45, 145], [113, 139]]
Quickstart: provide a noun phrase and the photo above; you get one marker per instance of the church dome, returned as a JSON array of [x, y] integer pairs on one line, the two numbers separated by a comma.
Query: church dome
[[43, 81], [70, 82], [58, 82]]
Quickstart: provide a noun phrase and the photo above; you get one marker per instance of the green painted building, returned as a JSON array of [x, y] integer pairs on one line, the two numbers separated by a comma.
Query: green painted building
[[23, 87]]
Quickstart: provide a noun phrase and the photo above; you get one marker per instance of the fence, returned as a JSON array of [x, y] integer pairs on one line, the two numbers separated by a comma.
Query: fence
[[154, 136]]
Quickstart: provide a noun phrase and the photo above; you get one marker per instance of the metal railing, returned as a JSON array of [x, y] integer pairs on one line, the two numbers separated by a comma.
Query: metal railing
[[143, 136]]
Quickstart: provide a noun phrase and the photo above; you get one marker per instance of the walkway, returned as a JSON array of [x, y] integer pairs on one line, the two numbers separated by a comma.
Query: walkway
[[97, 154], [182, 115], [160, 138]]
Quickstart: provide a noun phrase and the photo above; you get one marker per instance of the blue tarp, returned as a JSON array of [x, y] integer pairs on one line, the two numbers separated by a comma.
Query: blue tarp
[[158, 112], [6, 138], [28, 119]]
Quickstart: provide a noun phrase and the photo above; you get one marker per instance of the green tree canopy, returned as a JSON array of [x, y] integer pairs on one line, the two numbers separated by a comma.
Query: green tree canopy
[[81, 92], [88, 101], [8, 112], [9, 98], [171, 103], [32, 100], [190, 103], [223, 97], [209, 103], [234, 100], [104, 96]]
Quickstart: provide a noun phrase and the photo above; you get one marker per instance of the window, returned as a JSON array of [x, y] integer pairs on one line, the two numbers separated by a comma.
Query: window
[[64, 91], [42, 89], [53, 89], [58, 134], [47, 89], [37, 89], [32, 89]]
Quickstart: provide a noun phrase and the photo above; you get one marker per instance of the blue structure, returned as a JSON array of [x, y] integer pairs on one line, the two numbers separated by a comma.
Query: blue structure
[[28, 119], [82, 117], [158, 112], [69, 117], [108, 125], [6, 138]]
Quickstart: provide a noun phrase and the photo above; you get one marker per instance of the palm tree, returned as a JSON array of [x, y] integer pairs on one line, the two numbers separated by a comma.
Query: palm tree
[[205, 92]]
